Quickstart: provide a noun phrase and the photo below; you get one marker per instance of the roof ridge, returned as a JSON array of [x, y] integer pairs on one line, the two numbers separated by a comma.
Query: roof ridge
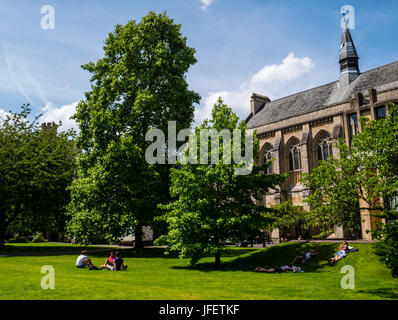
[[329, 83], [384, 65], [300, 92]]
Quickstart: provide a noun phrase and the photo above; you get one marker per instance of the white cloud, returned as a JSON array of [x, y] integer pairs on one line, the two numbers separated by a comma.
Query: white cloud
[[3, 115], [63, 114], [27, 85], [273, 81], [206, 3]]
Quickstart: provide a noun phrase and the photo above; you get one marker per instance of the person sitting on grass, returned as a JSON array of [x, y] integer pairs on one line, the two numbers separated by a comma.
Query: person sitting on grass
[[305, 256], [278, 270], [82, 261], [109, 261], [344, 249], [118, 264], [284, 239]]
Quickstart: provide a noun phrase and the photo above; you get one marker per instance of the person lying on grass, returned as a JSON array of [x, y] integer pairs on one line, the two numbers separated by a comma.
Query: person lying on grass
[[305, 256], [278, 270], [352, 249], [344, 249], [109, 261], [82, 261], [118, 263]]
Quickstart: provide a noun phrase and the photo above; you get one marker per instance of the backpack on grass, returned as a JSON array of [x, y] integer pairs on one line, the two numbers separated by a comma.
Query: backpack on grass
[[94, 268]]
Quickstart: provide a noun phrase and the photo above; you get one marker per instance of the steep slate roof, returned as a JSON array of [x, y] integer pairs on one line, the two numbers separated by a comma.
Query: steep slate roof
[[347, 46], [324, 96]]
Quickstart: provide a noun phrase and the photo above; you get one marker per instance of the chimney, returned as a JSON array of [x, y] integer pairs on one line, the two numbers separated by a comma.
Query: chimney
[[49, 126], [372, 95], [258, 102]]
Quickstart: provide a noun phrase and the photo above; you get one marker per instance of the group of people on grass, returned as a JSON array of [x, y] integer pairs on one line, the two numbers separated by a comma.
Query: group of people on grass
[[342, 253], [305, 256], [116, 263], [113, 263]]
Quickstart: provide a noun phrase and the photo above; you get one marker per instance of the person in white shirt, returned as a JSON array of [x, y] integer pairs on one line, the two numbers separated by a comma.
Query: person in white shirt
[[306, 255], [82, 261]]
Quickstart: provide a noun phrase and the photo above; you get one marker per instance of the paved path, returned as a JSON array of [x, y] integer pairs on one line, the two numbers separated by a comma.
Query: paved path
[[269, 244], [337, 241]]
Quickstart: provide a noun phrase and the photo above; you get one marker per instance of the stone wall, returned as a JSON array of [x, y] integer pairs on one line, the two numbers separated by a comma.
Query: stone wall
[[307, 129]]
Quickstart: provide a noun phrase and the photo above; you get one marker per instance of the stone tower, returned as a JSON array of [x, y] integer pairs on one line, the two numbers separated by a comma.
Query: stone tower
[[49, 126], [349, 67]]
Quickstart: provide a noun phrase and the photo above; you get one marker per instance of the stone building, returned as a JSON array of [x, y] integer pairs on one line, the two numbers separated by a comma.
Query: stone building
[[299, 130]]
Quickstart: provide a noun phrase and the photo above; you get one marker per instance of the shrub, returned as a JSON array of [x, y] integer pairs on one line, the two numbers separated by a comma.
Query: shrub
[[387, 248], [17, 238], [38, 237], [286, 216]]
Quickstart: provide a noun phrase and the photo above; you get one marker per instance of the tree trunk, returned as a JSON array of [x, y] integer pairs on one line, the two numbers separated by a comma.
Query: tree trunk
[[2, 229], [2, 237], [218, 259], [138, 237]]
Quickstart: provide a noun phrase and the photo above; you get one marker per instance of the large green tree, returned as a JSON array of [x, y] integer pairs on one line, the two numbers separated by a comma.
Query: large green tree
[[213, 204], [139, 84], [335, 194], [36, 167]]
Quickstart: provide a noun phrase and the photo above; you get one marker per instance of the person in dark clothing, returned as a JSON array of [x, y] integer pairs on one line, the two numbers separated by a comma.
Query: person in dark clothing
[[118, 263]]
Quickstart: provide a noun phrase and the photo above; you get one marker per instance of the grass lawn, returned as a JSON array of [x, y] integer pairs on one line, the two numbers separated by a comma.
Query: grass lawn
[[151, 275]]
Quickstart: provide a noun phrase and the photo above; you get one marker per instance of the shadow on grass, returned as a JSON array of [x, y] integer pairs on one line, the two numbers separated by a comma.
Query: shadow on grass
[[136, 253], [160, 253], [48, 249], [385, 293], [274, 256]]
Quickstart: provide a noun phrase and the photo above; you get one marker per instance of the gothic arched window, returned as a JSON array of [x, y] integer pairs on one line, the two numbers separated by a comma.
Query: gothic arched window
[[353, 125], [294, 157], [268, 157], [325, 148]]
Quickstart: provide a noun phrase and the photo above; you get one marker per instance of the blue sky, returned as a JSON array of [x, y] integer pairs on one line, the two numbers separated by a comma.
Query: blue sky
[[273, 48]]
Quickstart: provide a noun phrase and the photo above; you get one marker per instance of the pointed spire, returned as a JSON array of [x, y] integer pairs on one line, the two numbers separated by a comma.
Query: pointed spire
[[347, 48], [349, 67]]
